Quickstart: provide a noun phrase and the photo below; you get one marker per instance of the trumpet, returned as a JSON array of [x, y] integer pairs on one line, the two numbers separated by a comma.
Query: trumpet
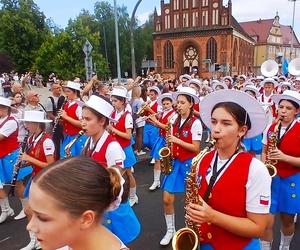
[[71, 143], [141, 110]]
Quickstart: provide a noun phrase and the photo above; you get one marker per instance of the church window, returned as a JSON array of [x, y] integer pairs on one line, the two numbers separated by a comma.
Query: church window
[[211, 50], [169, 55]]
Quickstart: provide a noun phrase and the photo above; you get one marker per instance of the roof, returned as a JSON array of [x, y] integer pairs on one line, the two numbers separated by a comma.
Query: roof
[[235, 24], [261, 28]]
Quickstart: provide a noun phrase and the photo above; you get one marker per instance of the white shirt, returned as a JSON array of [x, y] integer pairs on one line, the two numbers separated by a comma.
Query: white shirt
[[9, 127], [48, 145], [114, 153], [258, 186], [128, 119]]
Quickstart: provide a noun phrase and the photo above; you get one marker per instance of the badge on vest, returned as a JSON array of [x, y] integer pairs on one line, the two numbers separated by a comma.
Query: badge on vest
[[185, 133]]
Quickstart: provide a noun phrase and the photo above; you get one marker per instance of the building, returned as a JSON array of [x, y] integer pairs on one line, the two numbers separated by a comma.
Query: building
[[198, 34], [273, 41]]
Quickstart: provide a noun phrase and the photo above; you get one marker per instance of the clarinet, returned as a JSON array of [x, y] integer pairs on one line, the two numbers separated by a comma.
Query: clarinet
[[18, 165], [57, 118]]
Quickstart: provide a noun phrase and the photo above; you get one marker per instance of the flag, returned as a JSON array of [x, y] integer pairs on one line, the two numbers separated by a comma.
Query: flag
[[264, 200], [285, 66]]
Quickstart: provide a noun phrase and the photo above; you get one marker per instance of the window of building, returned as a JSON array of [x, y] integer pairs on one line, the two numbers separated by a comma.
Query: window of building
[[211, 50], [205, 18], [215, 17], [234, 56], [195, 19], [195, 3], [224, 19], [204, 3], [185, 4], [176, 21], [176, 4], [167, 19], [190, 59], [169, 55], [185, 20], [158, 26]]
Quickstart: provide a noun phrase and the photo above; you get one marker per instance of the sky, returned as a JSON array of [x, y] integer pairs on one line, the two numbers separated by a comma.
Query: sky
[[243, 10]]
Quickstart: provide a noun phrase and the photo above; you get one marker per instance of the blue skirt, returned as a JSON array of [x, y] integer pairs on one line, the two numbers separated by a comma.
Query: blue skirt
[[253, 245], [175, 181], [123, 223], [27, 188], [130, 159], [76, 148], [285, 195], [7, 164], [158, 145], [254, 144], [150, 135]]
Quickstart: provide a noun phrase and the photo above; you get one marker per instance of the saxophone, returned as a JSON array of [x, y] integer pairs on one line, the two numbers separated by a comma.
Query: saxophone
[[271, 164], [165, 153], [187, 238], [71, 143]]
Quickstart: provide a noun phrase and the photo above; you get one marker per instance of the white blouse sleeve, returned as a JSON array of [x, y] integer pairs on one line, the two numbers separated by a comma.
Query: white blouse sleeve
[[196, 130], [115, 155], [8, 128]]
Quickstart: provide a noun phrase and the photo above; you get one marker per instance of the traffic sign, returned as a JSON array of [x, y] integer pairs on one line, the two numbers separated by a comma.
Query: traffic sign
[[87, 48]]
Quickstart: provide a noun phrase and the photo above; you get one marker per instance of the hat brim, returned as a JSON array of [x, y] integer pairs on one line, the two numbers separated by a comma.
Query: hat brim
[[256, 113], [195, 98], [257, 94], [278, 97], [161, 97], [30, 120], [108, 117]]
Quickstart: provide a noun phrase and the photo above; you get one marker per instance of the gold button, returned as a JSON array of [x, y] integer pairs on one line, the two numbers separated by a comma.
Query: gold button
[[108, 222], [208, 223], [177, 153], [209, 236], [210, 196], [293, 184], [294, 196]]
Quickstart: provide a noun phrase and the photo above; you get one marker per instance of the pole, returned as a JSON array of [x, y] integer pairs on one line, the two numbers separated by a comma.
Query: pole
[[117, 41], [293, 23], [105, 45]]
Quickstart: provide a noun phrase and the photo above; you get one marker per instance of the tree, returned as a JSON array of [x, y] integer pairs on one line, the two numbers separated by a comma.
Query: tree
[[62, 53], [22, 31]]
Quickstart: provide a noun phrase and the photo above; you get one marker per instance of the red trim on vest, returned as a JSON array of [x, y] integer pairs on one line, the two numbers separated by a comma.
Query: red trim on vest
[[164, 120], [289, 145], [37, 152], [69, 128], [196, 107], [179, 152], [10, 143], [234, 189], [120, 125], [100, 155]]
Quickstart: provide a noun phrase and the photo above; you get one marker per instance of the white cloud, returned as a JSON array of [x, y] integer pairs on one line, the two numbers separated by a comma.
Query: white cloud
[[143, 17]]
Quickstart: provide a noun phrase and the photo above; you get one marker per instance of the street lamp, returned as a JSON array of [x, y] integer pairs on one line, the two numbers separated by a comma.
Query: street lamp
[[293, 22], [117, 41]]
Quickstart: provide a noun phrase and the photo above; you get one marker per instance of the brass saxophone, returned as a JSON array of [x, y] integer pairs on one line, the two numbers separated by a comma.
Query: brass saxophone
[[187, 238], [71, 143], [165, 154], [271, 164]]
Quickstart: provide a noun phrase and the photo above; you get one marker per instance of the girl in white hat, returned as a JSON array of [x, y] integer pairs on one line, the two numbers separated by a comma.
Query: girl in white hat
[[122, 130], [9, 152], [286, 185], [105, 149], [234, 187], [40, 153], [185, 138], [166, 101], [71, 115], [196, 85]]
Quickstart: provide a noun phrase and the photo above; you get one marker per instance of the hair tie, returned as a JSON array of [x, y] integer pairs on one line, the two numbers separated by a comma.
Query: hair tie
[[116, 203]]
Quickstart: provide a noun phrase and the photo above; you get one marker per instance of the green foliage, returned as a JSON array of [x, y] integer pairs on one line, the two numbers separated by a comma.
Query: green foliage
[[22, 31]]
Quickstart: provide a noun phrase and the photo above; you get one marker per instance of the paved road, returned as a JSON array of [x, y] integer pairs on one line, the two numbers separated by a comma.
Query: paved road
[[13, 235]]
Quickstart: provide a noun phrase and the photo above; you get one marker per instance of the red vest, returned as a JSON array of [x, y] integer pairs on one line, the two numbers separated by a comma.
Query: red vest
[[69, 128], [10, 143], [290, 145], [185, 135], [154, 108], [37, 152], [165, 120], [120, 125], [100, 156], [227, 196], [196, 107]]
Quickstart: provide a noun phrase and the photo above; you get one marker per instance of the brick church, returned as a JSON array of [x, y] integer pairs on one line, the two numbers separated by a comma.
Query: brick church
[[197, 34]]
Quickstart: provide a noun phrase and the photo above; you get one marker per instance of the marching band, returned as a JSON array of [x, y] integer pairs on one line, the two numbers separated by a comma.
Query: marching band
[[231, 195]]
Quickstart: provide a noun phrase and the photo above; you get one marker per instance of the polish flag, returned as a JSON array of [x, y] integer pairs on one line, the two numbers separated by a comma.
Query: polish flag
[[264, 200], [119, 162]]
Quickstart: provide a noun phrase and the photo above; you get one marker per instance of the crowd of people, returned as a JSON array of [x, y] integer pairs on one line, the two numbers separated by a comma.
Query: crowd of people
[[73, 158]]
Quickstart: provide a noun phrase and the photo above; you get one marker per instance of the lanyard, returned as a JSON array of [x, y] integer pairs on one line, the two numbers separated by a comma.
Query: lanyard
[[215, 175], [279, 138], [181, 127], [90, 152]]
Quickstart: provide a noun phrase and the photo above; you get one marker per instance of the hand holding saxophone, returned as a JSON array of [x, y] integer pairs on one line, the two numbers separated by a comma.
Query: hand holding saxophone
[[277, 154], [200, 213], [173, 139]]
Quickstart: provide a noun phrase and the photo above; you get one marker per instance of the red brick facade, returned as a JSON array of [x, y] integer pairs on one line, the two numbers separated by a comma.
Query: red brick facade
[[189, 31]]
